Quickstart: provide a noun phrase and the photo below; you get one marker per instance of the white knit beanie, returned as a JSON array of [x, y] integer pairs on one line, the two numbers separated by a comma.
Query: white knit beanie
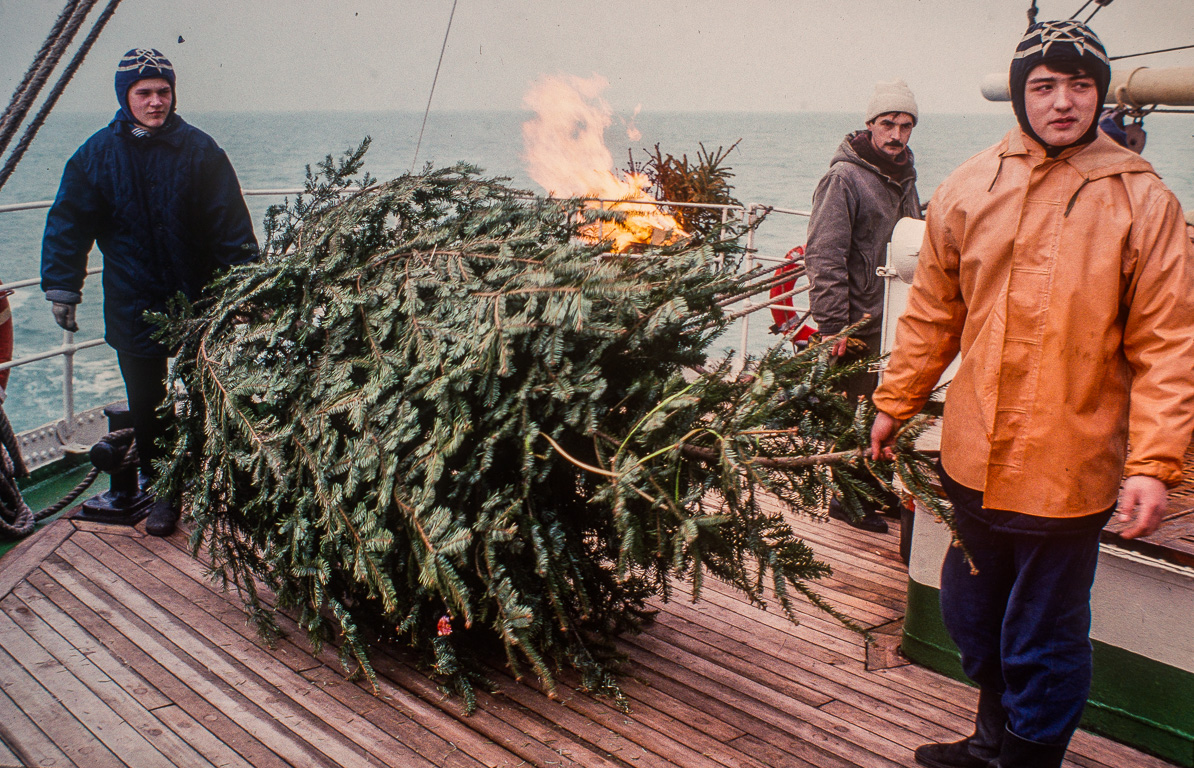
[[891, 97]]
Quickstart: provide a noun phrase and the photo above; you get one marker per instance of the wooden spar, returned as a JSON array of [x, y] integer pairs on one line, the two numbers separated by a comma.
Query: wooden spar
[[1166, 86]]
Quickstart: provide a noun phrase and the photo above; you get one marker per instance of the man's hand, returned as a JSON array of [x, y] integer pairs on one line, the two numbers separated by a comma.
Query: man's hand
[[64, 315], [839, 347], [883, 434], [1141, 504]]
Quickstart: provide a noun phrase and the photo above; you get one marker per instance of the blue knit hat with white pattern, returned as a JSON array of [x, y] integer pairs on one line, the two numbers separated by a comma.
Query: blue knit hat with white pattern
[[141, 64]]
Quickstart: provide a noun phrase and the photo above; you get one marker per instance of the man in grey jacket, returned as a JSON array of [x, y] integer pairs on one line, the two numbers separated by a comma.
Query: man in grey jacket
[[871, 184]]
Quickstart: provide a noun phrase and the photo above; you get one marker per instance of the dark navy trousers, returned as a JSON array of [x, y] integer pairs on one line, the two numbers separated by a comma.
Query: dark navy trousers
[[1022, 621], [145, 385]]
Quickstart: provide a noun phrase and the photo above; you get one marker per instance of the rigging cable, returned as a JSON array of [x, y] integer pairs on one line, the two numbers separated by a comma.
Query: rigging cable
[[19, 151], [1101, 5], [1149, 53], [1080, 10], [430, 95], [44, 62]]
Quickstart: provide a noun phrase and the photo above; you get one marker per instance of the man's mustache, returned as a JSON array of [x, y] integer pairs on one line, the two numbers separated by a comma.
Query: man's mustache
[[895, 144]]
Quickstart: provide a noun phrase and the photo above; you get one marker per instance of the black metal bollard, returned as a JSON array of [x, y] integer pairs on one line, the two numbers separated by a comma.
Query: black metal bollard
[[124, 503]]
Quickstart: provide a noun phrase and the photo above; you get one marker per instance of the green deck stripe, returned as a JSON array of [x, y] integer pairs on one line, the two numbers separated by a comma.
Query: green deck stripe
[[1133, 699]]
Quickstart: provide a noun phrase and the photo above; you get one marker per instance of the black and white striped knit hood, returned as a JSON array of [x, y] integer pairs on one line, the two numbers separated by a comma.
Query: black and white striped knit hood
[[1058, 41]]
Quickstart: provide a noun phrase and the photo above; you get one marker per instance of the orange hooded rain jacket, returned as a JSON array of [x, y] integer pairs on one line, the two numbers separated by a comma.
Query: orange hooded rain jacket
[[1067, 285]]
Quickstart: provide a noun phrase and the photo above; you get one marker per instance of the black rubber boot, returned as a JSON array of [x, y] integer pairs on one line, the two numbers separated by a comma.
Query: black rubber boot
[[163, 517], [976, 751], [868, 522], [1018, 752]]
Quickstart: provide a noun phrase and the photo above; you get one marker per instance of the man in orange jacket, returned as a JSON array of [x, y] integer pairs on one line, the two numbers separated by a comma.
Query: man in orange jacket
[[1056, 263]]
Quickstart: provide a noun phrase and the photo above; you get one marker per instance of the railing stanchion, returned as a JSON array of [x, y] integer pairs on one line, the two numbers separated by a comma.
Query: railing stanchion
[[68, 383], [740, 363], [725, 216]]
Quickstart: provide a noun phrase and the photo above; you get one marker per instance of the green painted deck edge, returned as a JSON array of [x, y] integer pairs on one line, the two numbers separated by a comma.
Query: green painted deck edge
[[1133, 699]]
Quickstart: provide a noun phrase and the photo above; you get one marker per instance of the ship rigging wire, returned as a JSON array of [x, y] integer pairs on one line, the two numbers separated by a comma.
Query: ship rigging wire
[[1101, 4], [1074, 15], [1150, 53], [434, 80]]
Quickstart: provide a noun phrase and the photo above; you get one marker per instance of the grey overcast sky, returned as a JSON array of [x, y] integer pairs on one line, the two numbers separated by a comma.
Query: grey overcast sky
[[701, 55]]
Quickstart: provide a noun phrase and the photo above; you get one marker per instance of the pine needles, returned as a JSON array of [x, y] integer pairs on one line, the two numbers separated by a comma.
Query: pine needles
[[432, 413]]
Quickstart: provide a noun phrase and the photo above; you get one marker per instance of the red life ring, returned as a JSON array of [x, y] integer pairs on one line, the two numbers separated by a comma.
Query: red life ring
[[782, 311], [5, 334]]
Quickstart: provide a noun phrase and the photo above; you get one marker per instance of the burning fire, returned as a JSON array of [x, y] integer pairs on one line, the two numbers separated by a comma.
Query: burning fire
[[567, 156]]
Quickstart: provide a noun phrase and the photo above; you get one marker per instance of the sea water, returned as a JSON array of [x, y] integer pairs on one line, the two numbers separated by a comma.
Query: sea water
[[777, 162]]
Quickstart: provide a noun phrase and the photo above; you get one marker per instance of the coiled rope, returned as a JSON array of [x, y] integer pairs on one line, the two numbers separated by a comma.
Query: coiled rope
[[17, 520]]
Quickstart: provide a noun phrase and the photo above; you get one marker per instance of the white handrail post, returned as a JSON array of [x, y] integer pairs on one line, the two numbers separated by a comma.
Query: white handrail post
[[68, 383], [740, 363], [725, 216]]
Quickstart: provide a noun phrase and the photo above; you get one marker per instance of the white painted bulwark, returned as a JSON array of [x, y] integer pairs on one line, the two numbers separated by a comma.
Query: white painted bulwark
[[902, 253], [1145, 606], [930, 542], [1138, 603]]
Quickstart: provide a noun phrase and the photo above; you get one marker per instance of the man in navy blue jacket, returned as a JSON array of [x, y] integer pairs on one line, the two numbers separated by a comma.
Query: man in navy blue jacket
[[163, 203]]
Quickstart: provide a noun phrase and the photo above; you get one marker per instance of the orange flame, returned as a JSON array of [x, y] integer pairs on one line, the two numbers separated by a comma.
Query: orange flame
[[565, 153]]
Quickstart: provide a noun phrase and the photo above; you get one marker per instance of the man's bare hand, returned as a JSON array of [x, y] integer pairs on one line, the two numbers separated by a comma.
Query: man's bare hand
[[883, 435], [1142, 505], [839, 347]]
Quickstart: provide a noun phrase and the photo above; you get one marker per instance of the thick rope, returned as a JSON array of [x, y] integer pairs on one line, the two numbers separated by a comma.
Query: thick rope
[[66, 500], [17, 520], [15, 104], [19, 151], [56, 43], [9, 442]]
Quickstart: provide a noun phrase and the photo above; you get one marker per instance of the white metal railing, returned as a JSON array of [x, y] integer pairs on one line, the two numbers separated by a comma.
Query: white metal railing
[[69, 347], [749, 213], [33, 206]]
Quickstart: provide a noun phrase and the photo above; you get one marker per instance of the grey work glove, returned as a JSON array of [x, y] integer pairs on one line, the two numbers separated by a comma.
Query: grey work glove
[[64, 315]]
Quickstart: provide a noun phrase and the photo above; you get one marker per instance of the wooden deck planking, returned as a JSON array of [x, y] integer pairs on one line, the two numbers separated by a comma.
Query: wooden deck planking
[[120, 720], [24, 742], [50, 715], [222, 696], [250, 670], [157, 677], [118, 650], [311, 666]]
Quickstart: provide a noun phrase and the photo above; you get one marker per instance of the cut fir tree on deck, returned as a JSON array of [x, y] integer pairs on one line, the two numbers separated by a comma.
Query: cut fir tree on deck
[[433, 413]]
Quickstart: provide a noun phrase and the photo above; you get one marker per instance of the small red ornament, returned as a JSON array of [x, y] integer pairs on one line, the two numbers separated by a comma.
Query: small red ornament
[[444, 627]]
